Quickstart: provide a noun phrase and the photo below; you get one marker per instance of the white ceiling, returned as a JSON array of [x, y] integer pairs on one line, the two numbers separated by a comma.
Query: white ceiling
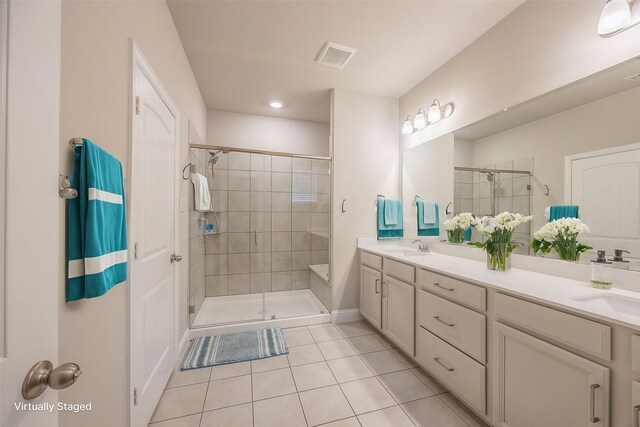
[[245, 53]]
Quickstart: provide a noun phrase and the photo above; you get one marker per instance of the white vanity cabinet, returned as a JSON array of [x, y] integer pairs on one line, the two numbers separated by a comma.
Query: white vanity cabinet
[[398, 315], [371, 295], [539, 384], [387, 300]]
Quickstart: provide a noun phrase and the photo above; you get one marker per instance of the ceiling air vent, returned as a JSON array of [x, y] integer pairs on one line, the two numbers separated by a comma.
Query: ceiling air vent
[[335, 55], [634, 78]]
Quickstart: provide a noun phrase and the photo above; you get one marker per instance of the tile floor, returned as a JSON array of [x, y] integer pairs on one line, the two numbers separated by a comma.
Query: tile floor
[[342, 375]]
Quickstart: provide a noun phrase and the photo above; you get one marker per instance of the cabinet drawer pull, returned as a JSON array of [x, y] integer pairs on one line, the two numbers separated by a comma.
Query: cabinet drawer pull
[[592, 402], [437, 359], [636, 414], [451, 325], [442, 287], [377, 283], [383, 283]]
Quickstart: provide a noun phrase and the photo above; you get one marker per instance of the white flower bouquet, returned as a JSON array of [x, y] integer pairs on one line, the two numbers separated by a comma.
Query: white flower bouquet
[[499, 242], [456, 226], [562, 236]]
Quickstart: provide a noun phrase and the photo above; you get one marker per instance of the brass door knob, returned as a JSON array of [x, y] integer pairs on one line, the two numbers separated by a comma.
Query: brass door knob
[[42, 375]]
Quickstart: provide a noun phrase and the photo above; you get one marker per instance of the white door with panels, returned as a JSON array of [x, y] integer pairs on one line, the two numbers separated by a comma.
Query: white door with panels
[[605, 184], [151, 242]]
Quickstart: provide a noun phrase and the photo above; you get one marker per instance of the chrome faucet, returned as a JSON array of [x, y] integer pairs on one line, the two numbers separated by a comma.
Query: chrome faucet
[[422, 246]]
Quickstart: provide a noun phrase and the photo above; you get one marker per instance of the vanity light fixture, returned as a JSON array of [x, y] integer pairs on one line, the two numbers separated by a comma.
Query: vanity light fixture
[[615, 17], [407, 127], [275, 104], [420, 121], [436, 112]]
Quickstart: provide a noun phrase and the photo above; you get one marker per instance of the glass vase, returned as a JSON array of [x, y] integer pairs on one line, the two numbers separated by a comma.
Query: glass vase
[[499, 259], [567, 250], [455, 235]]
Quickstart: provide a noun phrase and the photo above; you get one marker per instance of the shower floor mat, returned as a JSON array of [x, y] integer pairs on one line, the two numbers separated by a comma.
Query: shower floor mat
[[233, 348]]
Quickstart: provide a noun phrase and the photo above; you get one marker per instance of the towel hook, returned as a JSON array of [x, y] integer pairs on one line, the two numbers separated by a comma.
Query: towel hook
[[415, 200], [546, 190], [65, 191], [184, 170], [446, 210]]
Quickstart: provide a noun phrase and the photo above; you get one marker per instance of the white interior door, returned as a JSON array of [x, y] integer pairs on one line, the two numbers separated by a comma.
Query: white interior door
[[152, 243], [32, 255], [606, 187]]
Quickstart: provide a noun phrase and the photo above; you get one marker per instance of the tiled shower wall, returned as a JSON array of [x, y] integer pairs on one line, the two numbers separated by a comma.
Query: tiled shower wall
[[283, 204], [196, 242], [472, 193]]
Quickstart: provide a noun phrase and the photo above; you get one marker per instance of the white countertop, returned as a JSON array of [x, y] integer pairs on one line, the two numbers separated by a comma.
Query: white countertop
[[544, 288]]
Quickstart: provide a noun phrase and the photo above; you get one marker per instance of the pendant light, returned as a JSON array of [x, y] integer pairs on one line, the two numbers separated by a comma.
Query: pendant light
[[615, 16], [435, 112], [420, 122], [407, 127]]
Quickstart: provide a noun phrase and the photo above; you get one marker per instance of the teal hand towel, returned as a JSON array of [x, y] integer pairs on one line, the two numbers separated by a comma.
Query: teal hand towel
[[426, 213], [567, 211], [96, 224], [385, 230], [431, 229], [391, 211], [467, 234]]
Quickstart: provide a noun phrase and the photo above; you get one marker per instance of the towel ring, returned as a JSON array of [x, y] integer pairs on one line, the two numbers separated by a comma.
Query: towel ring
[[183, 171]]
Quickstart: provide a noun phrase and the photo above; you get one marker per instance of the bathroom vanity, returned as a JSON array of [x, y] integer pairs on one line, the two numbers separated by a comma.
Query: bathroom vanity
[[520, 348]]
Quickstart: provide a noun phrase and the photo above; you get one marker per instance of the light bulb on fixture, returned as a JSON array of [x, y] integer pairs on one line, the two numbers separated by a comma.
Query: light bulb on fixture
[[615, 16], [275, 104], [435, 112], [407, 127], [420, 122]]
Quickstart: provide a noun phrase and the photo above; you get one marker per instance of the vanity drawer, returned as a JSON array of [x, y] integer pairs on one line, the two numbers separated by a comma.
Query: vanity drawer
[[635, 353], [582, 334], [456, 370], [371, 260], [463, 328], [457, 290], [400, 270]]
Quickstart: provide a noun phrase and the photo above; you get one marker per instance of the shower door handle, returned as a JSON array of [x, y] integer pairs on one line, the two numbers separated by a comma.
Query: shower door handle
[[255, 237]]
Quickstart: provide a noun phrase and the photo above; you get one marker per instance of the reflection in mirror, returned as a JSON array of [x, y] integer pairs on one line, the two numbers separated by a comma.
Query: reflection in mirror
[[581, 147]]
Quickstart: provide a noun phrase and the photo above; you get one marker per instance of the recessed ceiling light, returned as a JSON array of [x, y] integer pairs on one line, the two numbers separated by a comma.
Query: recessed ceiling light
[[275, 104]]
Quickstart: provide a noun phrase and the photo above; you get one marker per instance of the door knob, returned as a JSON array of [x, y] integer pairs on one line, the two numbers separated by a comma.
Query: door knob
[[176, 258], [42, 375]]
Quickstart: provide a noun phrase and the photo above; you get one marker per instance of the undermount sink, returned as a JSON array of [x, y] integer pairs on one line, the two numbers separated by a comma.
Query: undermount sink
[[612, 302], [408, 253]]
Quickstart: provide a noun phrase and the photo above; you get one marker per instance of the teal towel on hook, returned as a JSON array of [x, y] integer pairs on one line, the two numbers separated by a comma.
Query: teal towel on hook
[[391, 211], [96, 224], [431, 229], [567, 211], [385, 230]]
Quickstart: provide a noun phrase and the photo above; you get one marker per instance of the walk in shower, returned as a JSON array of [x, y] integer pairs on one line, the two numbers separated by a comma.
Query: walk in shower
[[262, 251], [488, 191]]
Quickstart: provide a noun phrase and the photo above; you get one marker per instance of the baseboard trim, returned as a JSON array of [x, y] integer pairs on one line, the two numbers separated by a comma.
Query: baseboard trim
[[182, 344], [348, 315]]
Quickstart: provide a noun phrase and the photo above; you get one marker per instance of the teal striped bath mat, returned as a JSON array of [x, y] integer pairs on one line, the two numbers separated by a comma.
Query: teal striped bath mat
[[232, 348]]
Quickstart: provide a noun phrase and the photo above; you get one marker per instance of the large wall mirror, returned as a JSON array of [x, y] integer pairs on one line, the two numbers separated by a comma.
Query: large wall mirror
[[578, 145]]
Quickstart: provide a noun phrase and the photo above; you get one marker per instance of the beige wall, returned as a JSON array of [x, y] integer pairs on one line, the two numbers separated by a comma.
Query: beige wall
[[541, 46], [267, 133], [366, 161], [608, 122], [32, 217], [96, 67]]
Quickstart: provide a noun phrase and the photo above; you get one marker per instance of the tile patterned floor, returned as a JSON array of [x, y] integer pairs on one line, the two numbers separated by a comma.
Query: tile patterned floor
[[343, 375]]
